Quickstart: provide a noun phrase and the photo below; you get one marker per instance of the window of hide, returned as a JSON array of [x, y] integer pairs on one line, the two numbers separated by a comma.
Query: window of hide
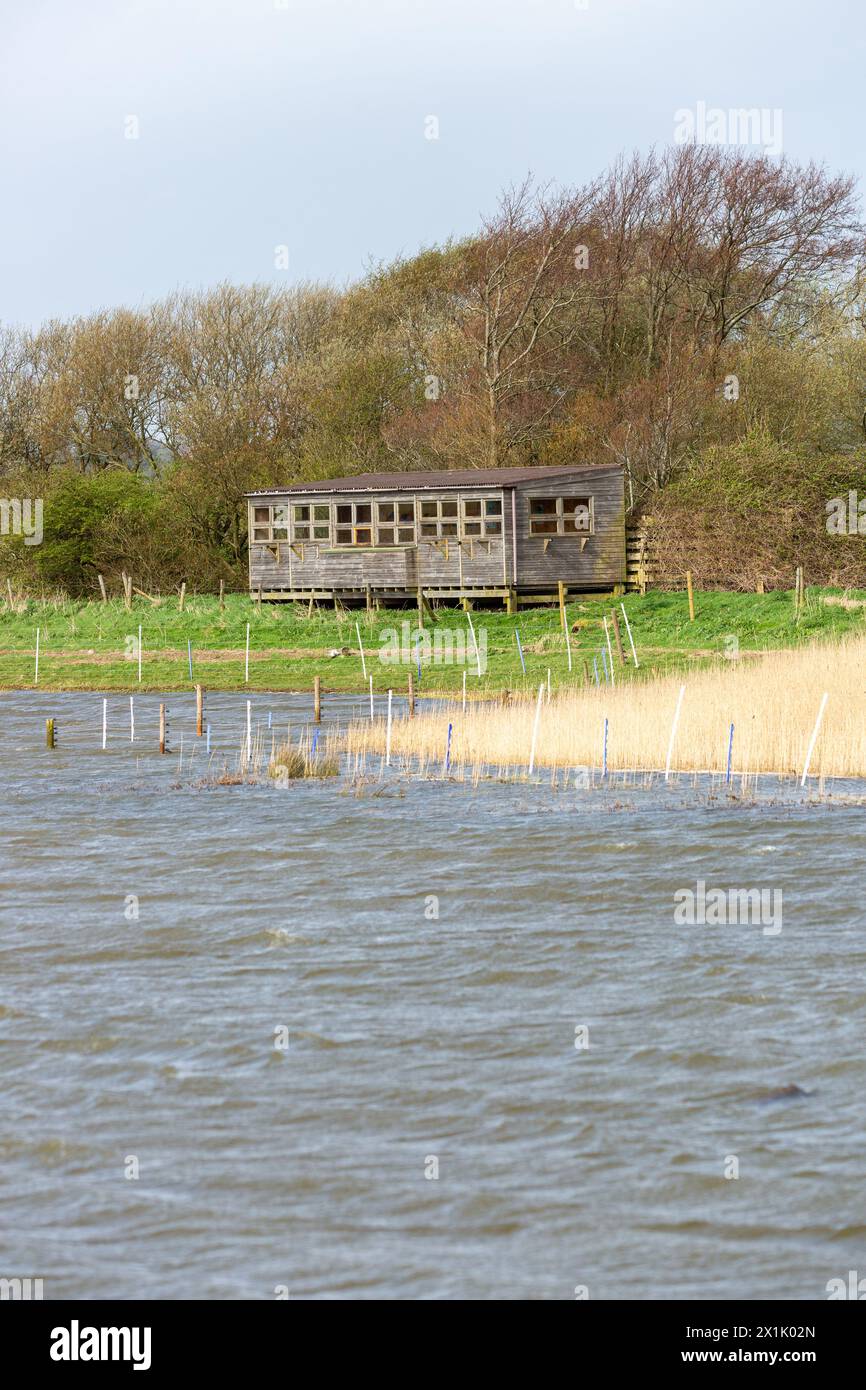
[[354, 523], [560, 516], [271, 523]]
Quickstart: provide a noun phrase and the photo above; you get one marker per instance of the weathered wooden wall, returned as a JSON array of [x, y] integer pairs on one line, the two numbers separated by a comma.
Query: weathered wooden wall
[[597, 564]]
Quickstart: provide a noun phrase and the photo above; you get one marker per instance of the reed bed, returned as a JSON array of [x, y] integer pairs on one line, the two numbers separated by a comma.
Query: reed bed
[[772, 701]]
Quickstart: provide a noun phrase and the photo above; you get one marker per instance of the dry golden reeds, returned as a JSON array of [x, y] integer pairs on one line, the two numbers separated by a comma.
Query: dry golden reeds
[[772, 700]]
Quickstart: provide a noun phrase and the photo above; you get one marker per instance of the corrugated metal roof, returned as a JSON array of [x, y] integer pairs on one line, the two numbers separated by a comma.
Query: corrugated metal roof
[[432, 478]]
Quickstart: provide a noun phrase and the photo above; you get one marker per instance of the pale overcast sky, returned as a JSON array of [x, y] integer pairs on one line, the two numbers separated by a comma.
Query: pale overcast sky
[[303, 123]]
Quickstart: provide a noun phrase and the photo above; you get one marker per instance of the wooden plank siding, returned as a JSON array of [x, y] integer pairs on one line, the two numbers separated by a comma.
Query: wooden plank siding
[[447, 564], [598, 564]]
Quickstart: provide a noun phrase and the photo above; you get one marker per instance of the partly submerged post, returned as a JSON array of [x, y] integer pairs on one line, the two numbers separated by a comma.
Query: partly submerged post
[[131, 719], [162, 728], [199, 709], [317, 699], [249, 731], [674, 732], [49, 733], [812, 740], [104, 722], [388, 733], [535, 728]]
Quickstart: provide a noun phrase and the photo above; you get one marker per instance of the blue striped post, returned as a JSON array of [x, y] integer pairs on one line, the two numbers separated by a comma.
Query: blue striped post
[[520, 650], [207, 746], [448, 750], [604, 664], [604, 754], [595, 670], [730, 751]]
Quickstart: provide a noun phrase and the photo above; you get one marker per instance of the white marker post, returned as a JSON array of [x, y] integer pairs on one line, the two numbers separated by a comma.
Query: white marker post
[[609, 651], [813, 739], [372, 712], [535, 728], [388, 734], [36, 672], [139, 653], [464, 691], [104, 722], [361, 645], [249, 729], [247, 665], [630, 638], [568, 645], [674, 731], [131, 719], [474, 643]]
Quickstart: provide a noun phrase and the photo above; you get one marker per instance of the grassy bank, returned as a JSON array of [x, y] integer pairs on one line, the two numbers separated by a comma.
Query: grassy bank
[[93, 645]]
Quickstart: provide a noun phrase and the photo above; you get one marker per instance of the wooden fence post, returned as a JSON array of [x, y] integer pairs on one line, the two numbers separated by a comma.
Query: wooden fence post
[[691, 596], [102, 588], [562, 595], [618, 636]]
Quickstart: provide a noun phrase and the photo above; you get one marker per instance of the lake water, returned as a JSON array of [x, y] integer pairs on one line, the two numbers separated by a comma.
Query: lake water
[[305, 1159]]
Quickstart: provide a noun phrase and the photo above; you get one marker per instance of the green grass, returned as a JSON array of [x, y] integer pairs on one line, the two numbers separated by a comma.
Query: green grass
[[83, 645]]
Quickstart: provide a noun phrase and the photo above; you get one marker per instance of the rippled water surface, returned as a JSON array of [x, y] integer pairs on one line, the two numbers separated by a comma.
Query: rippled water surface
[[414, 1038]]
